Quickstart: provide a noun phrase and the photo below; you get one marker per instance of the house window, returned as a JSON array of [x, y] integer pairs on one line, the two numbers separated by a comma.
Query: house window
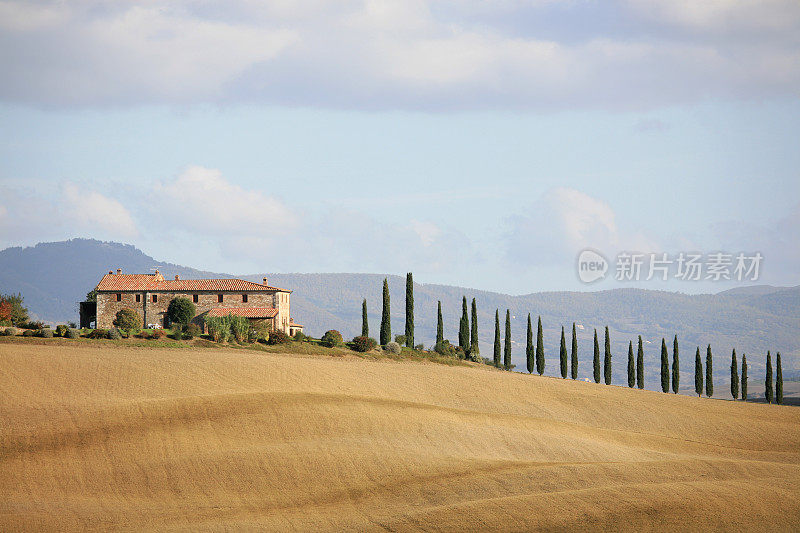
[[155, 298], [119, 296], [219, 298], [195, 298], [138, 298], [244, 298]]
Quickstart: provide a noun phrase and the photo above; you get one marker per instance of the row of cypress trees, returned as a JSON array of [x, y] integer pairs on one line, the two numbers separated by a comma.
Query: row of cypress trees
[[468, 341]]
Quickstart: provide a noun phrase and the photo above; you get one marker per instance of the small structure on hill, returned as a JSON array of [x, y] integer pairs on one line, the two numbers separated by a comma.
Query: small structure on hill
[[150, 295]]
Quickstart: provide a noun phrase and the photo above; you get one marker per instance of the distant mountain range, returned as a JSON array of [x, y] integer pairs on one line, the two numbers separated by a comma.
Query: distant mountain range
[[53, 277]]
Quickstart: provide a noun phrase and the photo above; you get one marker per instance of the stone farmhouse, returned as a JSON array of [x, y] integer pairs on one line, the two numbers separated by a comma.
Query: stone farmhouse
[[150, 295]]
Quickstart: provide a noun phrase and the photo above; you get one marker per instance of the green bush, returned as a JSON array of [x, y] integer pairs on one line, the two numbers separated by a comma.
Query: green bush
[[191, 331], [157, 334], [393, 348], [278, 337], [29, 332], [114, 334], [45, 333], [181, 310], [299, 336], [400, 339], [259, 331], [240, 328], [419, 347], [445, 348], [61, 330], [332, 338], [72, 333], [98, 334], [364, 344], [218, 327], [33, 324], [177, 332], [128, 321]]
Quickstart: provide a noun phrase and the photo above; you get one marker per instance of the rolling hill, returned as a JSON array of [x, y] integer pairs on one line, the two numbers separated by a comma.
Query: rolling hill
[[105, 438], [53, 277]]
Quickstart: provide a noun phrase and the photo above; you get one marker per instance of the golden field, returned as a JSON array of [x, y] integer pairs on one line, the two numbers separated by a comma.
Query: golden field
[[218, 439]]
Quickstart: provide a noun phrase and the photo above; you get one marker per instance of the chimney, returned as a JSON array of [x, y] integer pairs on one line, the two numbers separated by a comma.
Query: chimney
[[177, 277], [265, 281], [119, 271]]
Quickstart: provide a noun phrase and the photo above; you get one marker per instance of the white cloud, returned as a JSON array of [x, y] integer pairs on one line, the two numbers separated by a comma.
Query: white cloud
[[564, 221], [91, 210], [69, 210], [201, 200], [411, 54]]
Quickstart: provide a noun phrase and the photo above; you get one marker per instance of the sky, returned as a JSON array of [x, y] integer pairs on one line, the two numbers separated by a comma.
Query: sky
[[481, 144]]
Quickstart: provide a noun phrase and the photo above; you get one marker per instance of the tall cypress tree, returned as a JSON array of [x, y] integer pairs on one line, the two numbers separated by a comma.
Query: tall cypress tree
[[768, 380], [676, 367], [364, 321], [631, 366], [574, 359], [439, 324], [734, 375], [386, 325], [698, 373], [664, 366], [640, 365], [596, 360], [507, 349], [409, 310], [778, 381], [463, 326], [529, 350], [744, 377], [607, 359], [709, 374], [497, 338], [539, 348], [474, 350], [563, 354]]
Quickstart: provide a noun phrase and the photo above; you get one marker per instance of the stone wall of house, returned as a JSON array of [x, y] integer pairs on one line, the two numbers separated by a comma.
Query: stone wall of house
[[155, 312]]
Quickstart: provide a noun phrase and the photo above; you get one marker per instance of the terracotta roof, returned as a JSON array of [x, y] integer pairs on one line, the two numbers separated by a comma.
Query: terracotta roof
[[152, 282], [247, 312]]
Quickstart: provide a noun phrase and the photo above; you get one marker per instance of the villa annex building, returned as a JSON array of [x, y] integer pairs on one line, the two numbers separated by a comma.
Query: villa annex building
[[150, 295]]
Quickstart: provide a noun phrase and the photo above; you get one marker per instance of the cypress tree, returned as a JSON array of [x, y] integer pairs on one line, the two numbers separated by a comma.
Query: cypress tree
[[439, 324], [664, 366], [539, 348], [778, 381], [497, 338], [640, 365], [473, 341], [507, 350], [698, 373], [734, 375], [574, 361], [596, 360], [563, 354], [631, 366], [744, 377], [676, 368], [709, 374], [409, 310], [463, 327], [364, 321], [529, 350], [768, 380], [607, 359], [386, 326]]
